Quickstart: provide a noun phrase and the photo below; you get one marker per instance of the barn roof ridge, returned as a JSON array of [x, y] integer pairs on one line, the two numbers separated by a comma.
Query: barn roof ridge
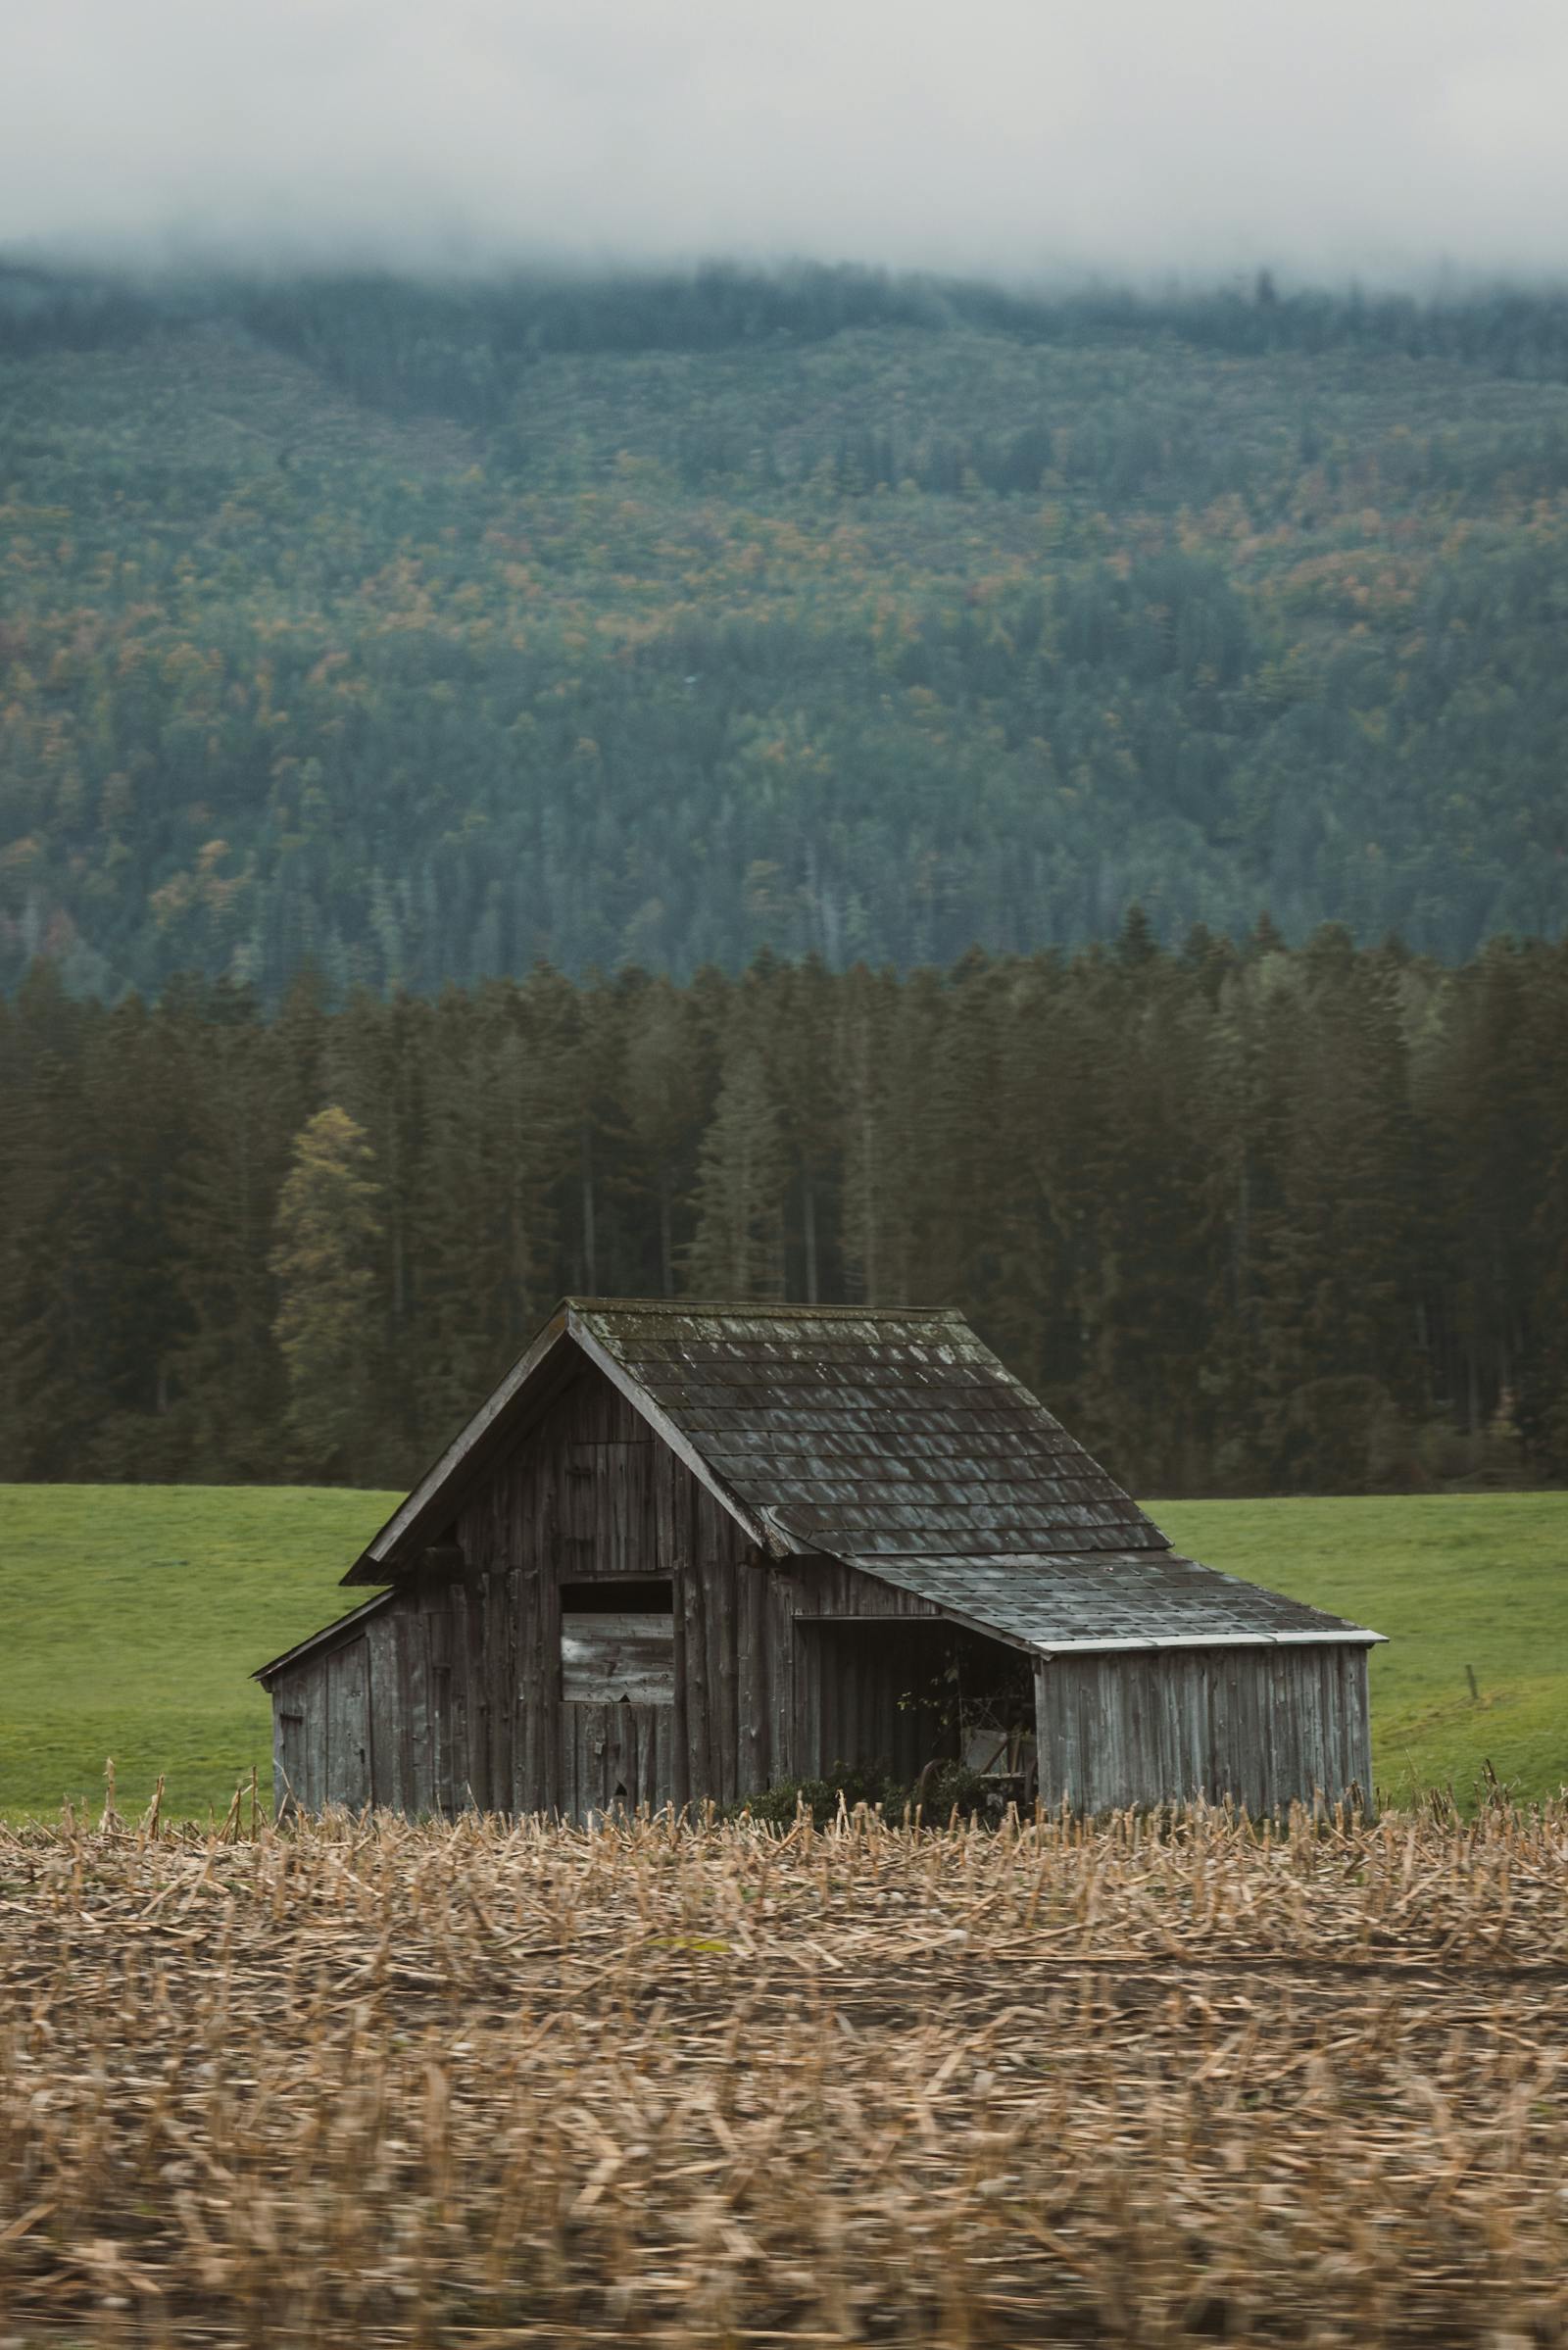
[[757, 1310]]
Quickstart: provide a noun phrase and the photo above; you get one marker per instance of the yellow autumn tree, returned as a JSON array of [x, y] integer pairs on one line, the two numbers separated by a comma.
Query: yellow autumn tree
[[329, 1228]]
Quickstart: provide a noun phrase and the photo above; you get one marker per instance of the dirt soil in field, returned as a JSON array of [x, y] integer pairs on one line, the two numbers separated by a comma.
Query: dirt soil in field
[[477, 2084]]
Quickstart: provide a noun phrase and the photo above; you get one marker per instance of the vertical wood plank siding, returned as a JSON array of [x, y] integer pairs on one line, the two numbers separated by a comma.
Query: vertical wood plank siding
[[1262, 1726], [455, 1699]]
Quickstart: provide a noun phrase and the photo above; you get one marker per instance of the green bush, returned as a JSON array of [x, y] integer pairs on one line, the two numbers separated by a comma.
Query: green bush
[[948, 1789]]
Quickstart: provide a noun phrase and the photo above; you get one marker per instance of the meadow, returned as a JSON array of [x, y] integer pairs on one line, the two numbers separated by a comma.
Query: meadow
[[135, 1616], [707, 2086]]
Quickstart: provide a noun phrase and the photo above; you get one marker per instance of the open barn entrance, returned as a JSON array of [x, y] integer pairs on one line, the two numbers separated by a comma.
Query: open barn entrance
[[887, 1695], [617, 1694]]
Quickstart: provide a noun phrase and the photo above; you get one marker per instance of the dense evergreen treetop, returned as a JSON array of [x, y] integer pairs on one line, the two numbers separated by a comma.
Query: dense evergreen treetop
[[1247, 1217], [419, 630]]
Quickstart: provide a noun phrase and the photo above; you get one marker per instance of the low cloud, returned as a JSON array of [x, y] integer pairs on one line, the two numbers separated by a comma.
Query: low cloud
[[1019, 135]]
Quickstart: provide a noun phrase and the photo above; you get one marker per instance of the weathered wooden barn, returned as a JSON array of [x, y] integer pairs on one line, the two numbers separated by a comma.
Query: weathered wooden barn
[[685, 1551]]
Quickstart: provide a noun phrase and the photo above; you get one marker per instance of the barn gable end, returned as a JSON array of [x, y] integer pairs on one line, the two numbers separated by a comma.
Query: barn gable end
[[684, 1552]]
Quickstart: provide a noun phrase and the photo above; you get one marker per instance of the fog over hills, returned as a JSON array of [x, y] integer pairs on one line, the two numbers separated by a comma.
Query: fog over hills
[[1399, 136]]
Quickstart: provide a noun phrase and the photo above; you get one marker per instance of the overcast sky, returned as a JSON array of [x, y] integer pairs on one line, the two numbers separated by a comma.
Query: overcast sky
[[1386, 136]]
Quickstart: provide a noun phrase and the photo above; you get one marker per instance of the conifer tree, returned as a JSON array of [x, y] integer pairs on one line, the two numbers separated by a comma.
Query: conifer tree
[[50, 1398], [136, 1121], [328, 1232], [51, 1252], [738, 1247], [664, 1086], [240, 1118]]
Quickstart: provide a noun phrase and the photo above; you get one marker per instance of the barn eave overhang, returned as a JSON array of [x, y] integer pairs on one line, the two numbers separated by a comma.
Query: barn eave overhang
[[503, 1417], [1004, 1614], [1042, 1647], [1150, 1642], [381, 1557], [327, 1638]]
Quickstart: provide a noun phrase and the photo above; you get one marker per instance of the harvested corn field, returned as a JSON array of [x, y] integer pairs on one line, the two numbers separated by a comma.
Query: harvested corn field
[[487, 2084]]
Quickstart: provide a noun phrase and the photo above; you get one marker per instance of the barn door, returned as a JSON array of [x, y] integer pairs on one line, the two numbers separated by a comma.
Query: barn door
[[348, 1725], [615, 1758], [617, 1698], [290, 1759]]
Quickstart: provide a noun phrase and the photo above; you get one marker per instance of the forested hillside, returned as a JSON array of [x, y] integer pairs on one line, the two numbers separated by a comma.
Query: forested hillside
[[425, 631], [1246, 1217]]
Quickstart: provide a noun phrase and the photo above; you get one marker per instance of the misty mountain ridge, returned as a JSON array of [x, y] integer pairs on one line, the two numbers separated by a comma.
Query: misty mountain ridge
[[421, 630]]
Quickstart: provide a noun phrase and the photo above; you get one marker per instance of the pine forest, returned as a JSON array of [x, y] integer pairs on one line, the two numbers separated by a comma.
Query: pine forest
[[1248, 1217]]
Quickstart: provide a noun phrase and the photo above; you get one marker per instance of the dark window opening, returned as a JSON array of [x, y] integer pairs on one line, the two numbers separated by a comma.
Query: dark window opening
[[619, 1596], [895, 1694]]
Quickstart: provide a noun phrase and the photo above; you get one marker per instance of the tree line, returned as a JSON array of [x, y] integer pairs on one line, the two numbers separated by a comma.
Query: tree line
[[1248, 1217], [462, 343]]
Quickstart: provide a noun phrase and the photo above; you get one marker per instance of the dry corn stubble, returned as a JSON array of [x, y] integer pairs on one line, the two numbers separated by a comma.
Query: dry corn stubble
[[484, 2083]]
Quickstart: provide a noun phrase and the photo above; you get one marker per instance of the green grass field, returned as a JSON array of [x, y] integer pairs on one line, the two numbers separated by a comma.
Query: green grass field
[[133, 1616]]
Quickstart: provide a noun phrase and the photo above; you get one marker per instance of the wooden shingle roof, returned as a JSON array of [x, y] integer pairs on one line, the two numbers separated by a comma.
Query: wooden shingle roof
[[891, 1438], [872, 1433], [1106, 1599], [897, 1440]]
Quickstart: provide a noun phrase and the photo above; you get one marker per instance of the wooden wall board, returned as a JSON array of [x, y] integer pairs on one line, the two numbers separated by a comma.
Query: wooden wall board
[[348, 1725], [1265, 1727]]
